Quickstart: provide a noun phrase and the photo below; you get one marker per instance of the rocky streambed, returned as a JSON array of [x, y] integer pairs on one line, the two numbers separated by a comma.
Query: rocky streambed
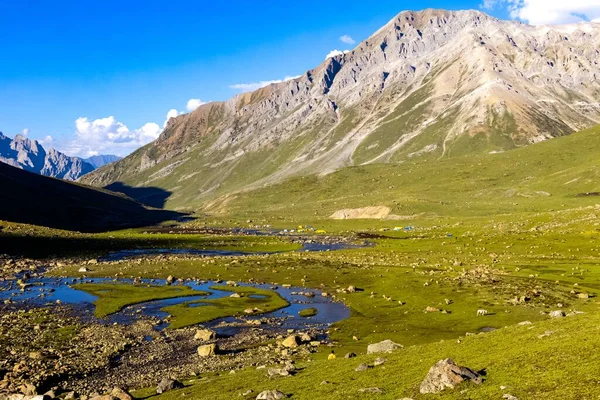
[[51, 339]]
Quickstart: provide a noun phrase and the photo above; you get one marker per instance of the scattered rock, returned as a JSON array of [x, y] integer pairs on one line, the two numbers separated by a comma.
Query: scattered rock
[[120, 394], [28, 389], [271, 372], [270, 395], [204, 335], [545, 334], [381, 347], [557, 314], [207, 350], [167, 384], [362, 367], [510, 397], [379, 361], [446, 374], [350, 355], [291, 341]]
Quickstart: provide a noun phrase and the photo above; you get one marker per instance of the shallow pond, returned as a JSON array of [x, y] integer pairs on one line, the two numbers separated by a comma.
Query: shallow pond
[[46, 291]]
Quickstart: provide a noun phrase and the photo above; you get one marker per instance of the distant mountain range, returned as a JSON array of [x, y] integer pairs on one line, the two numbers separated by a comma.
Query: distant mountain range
[[29, 155], [101, 160], [427, 86]]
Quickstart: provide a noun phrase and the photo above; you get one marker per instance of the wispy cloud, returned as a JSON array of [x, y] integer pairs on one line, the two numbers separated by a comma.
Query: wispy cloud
[[250, 87], [546, 12], [110, 136], [192, 104], [347, 39], [107, 135], [335, 53]]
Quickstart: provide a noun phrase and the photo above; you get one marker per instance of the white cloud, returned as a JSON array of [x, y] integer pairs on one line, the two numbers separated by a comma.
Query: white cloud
[[192, 104], [488, 4], [548, 12], [107, 136], [335, 53], [26, 132], [347, 39], [171, 114], [250, 87], [46, 141]]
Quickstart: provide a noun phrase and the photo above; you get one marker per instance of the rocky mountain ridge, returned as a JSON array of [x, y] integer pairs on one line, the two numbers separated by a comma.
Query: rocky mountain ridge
[[428, 84], [24, 153]]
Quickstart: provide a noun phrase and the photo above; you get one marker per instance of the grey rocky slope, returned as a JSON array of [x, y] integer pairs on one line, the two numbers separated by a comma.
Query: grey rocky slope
[[428, 84], [27, 154]]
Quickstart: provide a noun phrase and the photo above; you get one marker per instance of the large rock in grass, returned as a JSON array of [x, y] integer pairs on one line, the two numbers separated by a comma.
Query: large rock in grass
[[386, 346], [270, 395], [207, 350], [557, 314], [204, 335], [167, 384], [291, 341], [445, 374]]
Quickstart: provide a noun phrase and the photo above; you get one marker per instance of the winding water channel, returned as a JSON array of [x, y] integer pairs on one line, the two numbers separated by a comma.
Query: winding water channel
[[46, 291]]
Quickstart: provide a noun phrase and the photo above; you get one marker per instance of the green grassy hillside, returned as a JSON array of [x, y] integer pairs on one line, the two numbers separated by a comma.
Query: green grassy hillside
[[557, 174]]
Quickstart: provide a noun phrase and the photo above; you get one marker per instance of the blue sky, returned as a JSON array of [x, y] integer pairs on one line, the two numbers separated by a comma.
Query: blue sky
[[86, 61]]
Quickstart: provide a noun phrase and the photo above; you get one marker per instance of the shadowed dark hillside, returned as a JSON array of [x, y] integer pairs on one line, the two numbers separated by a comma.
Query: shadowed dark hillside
[[38, 200], [150, 196]]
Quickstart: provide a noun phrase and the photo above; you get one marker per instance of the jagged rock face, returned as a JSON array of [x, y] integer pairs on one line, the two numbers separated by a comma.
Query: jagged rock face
[[29, 155], [428, 84]]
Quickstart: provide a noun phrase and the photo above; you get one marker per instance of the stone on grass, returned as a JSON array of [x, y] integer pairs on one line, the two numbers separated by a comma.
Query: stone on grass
[[285, 371], [445, 374], [370, 390], [362, 367], [379, 361], [350, 355], [557, 314], [383, 347], [291, 341], [167, 384], [207, 350], [204, 335], [270, 395]]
